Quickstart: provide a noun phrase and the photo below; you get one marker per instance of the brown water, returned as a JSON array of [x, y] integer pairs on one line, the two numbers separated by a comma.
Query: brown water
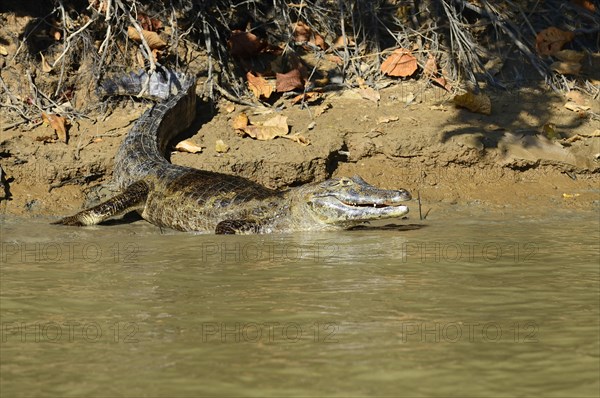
[[485, 305]]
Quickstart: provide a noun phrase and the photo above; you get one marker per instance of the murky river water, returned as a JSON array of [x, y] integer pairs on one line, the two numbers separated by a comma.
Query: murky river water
[[485, 305]]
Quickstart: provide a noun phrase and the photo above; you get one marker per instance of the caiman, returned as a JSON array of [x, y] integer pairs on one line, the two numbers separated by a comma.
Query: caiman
[[189, 199]]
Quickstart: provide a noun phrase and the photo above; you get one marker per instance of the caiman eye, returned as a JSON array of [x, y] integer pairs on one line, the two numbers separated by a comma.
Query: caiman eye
[[345, 182]]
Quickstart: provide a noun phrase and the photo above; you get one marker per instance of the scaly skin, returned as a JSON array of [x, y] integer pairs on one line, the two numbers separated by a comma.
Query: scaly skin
[[188, 199]]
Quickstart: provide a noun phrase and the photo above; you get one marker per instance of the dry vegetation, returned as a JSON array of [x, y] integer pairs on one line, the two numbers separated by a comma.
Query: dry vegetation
[[247, 51]]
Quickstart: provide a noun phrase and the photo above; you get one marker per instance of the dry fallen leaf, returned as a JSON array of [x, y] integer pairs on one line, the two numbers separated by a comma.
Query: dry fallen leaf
[[58, 123], [289, 81], [400, 63], [152, 38], [304, 33], [240, 122], [3, 51], [245, 44], [221, 146], [572, 106], [566, 68], [45, 65], [551, 40], [308, 97], [275, 127], [578, 137], [322, 109], [479, 103], [369, 93], [343, 41], [494, 65], [441, 81], [148, 23], [300, 139], [188, 146], [387, 119], [569, 55], [259, 86], [430, 68], [587, 4]]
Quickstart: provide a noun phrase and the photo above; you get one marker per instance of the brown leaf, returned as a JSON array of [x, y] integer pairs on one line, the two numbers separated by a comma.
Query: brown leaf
[[569, 55], [342, 41], [309, 97], [369, 93], [443, 83], [300, 139], [259, 86], [58, 124], [188, 146], [304, 33], [288, 81], [240, 122], [301, 32], [322, 109], [274, 127], [148, 23], [245, 44], [3, 51], [566, 68], [152, 38], [572, 106], [320, 42], [551, 40], [479, 103], [587, 4], [430, 68], [400, 63]]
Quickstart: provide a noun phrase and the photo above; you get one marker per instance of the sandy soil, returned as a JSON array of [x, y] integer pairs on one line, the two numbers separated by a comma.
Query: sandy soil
[[427, 145]]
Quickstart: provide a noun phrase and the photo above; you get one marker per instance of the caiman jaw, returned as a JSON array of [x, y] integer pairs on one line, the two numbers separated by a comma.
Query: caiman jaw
[[349, 201]]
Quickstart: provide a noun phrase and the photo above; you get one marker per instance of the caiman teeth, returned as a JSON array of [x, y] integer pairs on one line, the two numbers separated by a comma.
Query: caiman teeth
[[367, 204]]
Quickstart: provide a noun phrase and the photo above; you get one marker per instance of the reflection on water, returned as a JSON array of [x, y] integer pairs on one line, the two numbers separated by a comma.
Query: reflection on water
[[495, 306]]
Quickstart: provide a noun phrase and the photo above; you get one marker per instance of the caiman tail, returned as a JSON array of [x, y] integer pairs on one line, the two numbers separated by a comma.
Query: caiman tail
[[143, 152]]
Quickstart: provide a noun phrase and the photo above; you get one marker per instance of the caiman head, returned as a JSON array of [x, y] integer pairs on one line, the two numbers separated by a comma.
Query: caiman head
[[343, 202]]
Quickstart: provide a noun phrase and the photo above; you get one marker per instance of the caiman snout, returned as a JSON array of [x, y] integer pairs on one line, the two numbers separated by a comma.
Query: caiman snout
[[351, 200]]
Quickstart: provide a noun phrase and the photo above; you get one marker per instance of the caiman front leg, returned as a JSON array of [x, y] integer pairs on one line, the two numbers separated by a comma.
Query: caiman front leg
[[132, 198]]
